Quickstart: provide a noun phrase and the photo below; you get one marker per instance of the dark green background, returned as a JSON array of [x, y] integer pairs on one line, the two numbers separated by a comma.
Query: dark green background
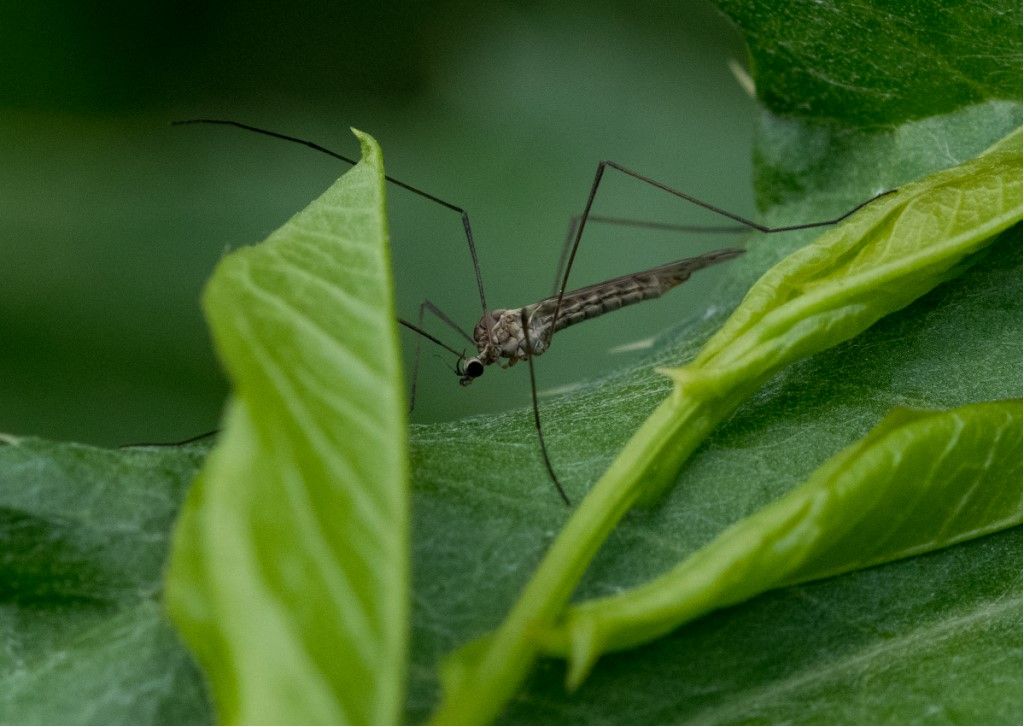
[[110, 220]]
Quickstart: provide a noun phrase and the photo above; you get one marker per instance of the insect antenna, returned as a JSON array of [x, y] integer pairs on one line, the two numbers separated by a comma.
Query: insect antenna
[[439, 342], [348, 160], [427, 306], [456, 369]]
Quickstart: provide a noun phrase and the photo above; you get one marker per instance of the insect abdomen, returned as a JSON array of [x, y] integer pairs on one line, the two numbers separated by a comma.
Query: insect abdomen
[[585, 304], [596, 300]]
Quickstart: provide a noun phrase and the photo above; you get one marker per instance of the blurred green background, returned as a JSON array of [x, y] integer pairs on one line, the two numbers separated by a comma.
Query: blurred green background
[[110, 220]]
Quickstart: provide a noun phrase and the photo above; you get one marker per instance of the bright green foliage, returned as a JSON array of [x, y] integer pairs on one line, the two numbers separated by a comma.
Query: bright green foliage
[[289, 572], [917, 482], [888, 255], [882, 259], [928, 640], [876, 263]]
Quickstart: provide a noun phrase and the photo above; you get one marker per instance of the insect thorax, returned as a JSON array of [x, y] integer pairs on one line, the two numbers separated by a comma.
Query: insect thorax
[[499, 334]]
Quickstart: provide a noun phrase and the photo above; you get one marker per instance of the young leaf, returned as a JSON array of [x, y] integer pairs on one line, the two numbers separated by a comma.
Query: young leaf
[[289, 568], [917, 482], [933, 639], [876, 263]]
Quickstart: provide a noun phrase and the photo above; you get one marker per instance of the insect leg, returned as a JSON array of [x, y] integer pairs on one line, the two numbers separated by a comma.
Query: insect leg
[[743, 221], [317, 147], [574, 222], [425, 306], [536, 410], [182, 443]]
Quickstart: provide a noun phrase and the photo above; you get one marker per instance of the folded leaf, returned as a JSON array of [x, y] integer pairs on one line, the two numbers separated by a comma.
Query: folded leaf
[[901, 246], [917, 482], [289, 570]]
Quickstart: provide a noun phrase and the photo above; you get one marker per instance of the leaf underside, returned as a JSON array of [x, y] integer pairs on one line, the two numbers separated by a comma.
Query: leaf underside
[[288, 575]]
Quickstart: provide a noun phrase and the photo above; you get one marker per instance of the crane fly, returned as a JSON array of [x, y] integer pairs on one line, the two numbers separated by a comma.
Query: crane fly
[[508, 335]]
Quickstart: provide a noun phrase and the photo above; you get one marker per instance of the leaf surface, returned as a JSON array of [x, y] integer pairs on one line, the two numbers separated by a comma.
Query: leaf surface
[[879, 64], [84, 535], [893, 643], [289, 572]]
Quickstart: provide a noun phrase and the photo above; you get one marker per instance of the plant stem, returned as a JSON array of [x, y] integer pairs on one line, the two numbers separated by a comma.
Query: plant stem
[[653, 455]]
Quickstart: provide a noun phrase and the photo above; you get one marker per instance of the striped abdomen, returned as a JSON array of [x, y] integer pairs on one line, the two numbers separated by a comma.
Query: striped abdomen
[[596, 300]]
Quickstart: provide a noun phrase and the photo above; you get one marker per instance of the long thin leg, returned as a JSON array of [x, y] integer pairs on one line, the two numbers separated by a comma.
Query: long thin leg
[[574, 221], [428, 305], [316, 147], [425, 306], [536, 410], [181, 443], [417, 329], [689, 198]]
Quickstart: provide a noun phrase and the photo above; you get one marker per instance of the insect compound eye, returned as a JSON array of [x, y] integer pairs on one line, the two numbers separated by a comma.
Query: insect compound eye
[[474, 368]]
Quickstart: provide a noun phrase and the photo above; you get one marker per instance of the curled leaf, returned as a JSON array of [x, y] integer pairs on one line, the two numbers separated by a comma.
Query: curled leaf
[[899, 248], [289, 570], [919, 481]]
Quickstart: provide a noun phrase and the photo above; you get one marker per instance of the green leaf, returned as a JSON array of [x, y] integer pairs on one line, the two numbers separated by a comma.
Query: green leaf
[[917, 482], [928, 640], [879, 261], [879, 64], [894, 643], [85, 534], [289, 572]]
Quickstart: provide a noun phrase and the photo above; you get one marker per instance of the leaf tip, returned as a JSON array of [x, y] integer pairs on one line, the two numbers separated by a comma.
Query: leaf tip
[[693, 382], [369, 147], [584, 650]]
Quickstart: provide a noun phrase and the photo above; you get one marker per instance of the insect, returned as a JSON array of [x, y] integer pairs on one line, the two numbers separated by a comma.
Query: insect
[[502, 334], [507, 336]]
